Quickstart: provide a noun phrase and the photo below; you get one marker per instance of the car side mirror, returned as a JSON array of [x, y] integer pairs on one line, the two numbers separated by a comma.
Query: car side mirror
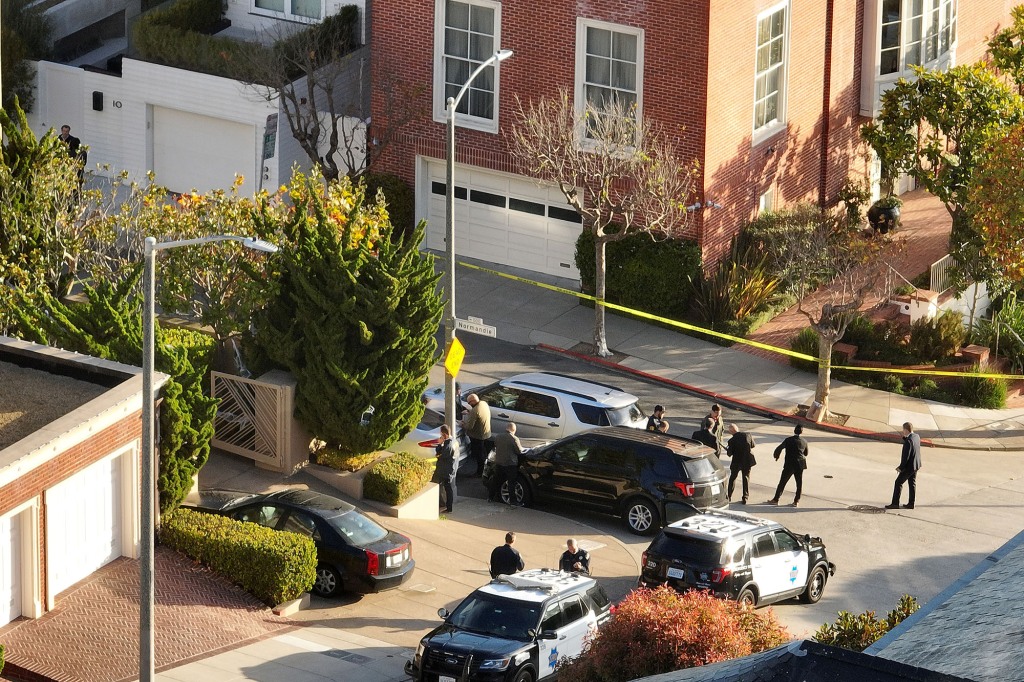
[[443, 613], [807, 538], [547, 634]]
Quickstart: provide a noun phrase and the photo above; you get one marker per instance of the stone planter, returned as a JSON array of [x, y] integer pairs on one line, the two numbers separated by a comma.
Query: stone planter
[[422, 505]]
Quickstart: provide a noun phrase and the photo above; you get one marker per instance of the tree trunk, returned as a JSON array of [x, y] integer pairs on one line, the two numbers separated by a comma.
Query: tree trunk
[[821, 392], [600, 342]]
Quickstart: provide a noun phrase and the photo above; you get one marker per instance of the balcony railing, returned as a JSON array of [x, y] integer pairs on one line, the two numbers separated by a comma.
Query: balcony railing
[[939, 279]]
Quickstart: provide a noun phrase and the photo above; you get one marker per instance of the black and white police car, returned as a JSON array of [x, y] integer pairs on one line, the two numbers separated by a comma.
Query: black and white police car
[[737, 556], [513, 629]]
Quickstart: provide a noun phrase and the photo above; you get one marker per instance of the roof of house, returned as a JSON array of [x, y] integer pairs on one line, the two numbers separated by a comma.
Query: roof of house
[[972, 629], [805, 661]]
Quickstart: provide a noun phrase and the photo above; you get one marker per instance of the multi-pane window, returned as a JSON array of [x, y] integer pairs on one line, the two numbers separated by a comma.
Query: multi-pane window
[[770, 77], [609, 68], [470, 38], [293, 9], [915, 32]]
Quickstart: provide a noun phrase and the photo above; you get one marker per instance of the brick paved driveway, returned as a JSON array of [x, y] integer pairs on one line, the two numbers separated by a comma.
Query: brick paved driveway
[[92, 634]]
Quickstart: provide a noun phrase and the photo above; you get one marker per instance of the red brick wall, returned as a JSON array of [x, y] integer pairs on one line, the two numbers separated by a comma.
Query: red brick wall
[[61, 467], [977, 21]]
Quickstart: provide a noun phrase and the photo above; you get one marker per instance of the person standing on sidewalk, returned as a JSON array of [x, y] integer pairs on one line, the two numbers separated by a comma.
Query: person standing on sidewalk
[[447, 465], [741, 452], [477, 423], [505, 559], [507, 450], [910, 462], [714, 425], [793, 466]]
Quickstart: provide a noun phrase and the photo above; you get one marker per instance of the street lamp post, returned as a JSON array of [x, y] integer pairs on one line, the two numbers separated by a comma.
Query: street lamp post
[[449, 234], [147, 593]]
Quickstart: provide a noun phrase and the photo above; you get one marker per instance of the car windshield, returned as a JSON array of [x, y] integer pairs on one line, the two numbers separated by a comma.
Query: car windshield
[[359, 530], [699, 468], [493, 615], [625, 416], [689, 550]]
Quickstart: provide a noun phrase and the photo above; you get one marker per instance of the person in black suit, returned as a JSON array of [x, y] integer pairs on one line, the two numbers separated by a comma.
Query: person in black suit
[[793, 466], [70, 140], [741, 452], [505, 559], [447, 465], [910, 462]]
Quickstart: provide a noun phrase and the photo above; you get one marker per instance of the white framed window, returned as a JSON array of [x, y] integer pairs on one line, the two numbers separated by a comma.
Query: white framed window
[[609, 66], [766, 202], [915, 32], [770, 70], [466, 34], [293, 10]]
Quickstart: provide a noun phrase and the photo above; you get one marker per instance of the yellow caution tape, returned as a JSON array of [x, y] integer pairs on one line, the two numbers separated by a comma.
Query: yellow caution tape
[[729, 337]]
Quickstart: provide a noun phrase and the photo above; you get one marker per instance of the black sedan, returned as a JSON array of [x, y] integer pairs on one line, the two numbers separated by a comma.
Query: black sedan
[[354, 553]]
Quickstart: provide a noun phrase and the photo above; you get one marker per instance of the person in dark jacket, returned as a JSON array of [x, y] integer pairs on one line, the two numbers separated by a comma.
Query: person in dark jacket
[[507, 450], [505, 559], [714, 425], [910, 462], [574, 559], [741, 451], [793, 466], [654, 421], [447, 465]]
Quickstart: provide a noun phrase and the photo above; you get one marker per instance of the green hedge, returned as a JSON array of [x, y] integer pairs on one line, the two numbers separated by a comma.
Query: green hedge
[[1, 658], [272, 565], [641, 273], [395, 479], [401, 199], [335, 459]]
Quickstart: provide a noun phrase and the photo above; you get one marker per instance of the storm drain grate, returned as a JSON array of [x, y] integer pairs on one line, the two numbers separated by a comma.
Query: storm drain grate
[[866, 509], [349, 656]]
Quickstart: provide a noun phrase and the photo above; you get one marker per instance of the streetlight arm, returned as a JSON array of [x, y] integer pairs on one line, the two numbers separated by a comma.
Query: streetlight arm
[[248, 242], [499, 56]]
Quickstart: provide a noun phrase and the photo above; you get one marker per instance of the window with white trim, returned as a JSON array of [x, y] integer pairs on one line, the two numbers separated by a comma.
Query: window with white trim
[[467, 34], [915, 32], [609, 66], [295, 10], [770, 70]]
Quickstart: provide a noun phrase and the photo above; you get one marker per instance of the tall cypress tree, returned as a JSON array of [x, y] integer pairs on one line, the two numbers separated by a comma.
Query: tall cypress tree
[[355, 314]]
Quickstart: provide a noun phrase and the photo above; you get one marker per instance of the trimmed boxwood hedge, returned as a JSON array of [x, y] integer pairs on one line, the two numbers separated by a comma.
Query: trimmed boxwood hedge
[[395, 479], [274, 566]]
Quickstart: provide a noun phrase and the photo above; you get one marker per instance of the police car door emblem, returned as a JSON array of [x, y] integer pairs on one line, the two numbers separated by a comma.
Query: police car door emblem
[[553, 658]]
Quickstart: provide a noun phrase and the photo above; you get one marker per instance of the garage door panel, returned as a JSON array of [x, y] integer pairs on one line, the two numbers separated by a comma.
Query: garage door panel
[[10, 568], [83, 523], [201, 152]]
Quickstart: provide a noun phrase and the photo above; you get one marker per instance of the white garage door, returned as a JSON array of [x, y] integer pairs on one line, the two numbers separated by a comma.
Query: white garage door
[[201, 152], [83, 524], [10, 568], [504, 219]]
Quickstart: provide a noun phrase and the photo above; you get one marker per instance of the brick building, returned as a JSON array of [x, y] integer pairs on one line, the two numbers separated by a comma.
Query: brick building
[[769, 96], [70, 439]]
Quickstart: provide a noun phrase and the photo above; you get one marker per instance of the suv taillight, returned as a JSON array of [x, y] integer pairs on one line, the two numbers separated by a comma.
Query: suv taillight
[[372, 562], [720, 574], [643, 560], [685, 488]]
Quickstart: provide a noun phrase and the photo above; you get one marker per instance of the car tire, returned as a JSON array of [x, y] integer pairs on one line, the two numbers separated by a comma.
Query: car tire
[[815, 586], [328, 581], [747, 597], [641, 516], [521, 492], [524, 676]]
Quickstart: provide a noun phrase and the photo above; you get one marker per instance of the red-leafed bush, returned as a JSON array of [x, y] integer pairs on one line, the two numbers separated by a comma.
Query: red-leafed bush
[[658, 631]]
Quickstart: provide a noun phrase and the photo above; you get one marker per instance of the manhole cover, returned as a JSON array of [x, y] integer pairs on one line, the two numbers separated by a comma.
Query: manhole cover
[[866, 509]]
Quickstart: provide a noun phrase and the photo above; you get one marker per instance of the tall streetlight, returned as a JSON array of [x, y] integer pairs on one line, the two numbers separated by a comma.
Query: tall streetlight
[[449, 233], [147, 593]]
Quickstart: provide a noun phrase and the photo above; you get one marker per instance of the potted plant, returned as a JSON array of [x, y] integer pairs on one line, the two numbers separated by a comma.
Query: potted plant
[[854, 194], [884, 214]]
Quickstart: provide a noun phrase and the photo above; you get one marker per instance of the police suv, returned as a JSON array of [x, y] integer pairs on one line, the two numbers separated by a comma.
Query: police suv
[[513, 629], [737, 556]]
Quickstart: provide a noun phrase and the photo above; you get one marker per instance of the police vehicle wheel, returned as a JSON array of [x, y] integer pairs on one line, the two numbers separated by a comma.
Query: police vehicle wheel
[[815, 587], [641, 517], [524, 676], [747, 597]]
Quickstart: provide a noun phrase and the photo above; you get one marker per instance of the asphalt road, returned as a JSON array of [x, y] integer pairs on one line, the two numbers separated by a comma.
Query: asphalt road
[[969, 503]]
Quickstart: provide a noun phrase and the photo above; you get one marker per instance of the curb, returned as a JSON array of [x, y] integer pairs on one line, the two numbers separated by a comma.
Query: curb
[[736, 403]]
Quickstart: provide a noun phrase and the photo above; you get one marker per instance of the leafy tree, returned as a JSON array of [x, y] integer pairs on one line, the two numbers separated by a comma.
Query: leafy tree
[[658, 631], [108, 324], [1007, 48], [25, 34], [934, 129], [997, 201], [861, 631], [619, 171], [354, 315]]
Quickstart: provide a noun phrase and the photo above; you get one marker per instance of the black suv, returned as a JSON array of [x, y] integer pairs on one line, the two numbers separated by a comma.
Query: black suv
[[646, 477], [514, 629], [737, 556]]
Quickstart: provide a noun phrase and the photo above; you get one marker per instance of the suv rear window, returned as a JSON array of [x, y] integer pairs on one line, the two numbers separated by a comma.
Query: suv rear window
[[688, 549], [699, 468]]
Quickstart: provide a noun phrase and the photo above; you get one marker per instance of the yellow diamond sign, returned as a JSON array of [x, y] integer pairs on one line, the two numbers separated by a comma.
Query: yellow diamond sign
[[453, 360]]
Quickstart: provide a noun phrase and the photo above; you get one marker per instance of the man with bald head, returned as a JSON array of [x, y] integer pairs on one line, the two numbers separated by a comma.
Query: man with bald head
[[477, 424]]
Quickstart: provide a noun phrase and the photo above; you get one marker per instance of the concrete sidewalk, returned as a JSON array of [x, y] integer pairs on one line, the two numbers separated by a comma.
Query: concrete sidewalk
[[531, 315]]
